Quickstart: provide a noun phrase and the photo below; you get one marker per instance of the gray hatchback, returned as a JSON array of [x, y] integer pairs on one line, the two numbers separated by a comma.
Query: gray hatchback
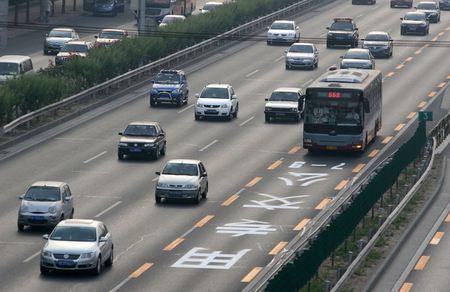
[[45, 203]]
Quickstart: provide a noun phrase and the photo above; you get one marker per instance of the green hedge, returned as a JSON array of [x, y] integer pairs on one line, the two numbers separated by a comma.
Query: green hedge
[[295, 275], [19, 96]]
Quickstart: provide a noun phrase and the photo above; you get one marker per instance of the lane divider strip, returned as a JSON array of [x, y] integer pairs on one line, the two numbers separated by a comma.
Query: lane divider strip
[[447, 220], [437, 238], [275, 164], [373, 153], [411, 115], [323, 204], [421, 263], [230, 200], [341, 185], [387, 139], [301, 224], [141, 270], [297, 148], [406, 287], [203, 221], [250, 276], [358, 168], [399, 127], [441, 85], [253, 182], [390, 74], [173, 244]]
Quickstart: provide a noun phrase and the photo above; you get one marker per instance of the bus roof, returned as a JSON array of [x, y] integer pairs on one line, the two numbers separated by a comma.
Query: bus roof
[[345, 78]]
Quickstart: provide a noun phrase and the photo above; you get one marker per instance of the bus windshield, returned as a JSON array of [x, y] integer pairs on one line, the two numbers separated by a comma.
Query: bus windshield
[[334, 113]]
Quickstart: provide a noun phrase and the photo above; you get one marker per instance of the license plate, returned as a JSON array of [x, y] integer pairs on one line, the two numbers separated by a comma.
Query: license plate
[[211, 112], [331, 147], [37, 218], [412, 28], [135, 150], [339, 38], [66, 263], [279, 114]]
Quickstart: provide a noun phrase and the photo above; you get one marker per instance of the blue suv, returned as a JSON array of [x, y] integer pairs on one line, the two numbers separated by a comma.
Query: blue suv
[[169, 86]]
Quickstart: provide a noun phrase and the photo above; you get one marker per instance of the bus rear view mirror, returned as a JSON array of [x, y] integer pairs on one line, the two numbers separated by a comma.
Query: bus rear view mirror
[[366, 106]]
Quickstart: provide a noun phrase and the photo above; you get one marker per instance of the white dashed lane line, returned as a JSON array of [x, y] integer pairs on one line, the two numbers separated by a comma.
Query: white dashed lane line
[[108, 209], [95, 157], [209, 145]]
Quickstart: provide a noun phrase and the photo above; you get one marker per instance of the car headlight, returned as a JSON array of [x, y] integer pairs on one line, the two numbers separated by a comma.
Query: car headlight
[[46, 254], [176, 90], [123, 144], [148, 145], [87, 255], [199, 105], [163, 185], [268, 108], [224, 106], [306, 140], [52, 210], [294, 109], [153, 91], [190, 186], [290, 59], [24, 208], [386, 47], [291, 34]]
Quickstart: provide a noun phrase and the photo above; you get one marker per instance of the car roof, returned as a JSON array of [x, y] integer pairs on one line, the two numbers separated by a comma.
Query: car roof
[[218, 85], [415, 12], [185, 161], [80, 222], [358, 50], [287, 89], [143, 123], [303, 44], [214, 3], [55, 184], [114, 30], [378, 32], [284, 21], [427, 2], [14, 58], [63, 29], [174, 16], [78, 42]]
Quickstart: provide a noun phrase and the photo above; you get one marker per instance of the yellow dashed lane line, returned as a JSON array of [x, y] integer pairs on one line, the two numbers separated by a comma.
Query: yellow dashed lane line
[[323, 204], [437, 238], [441, 84], [399, 66], [409, 59], [406, 287], [141, 270], [358, 168], [418, 51], [399, 127], [422, 104], [250, 276], [173, 244], [230, 200], [341, 185], [302, 224], [275, 165], [421, 263], [295, 149], [253, 182], [203, 221], [411, 115], [373, 153], [431, 94], [387, 139], [390, 74], [279, 247], [447, 220]]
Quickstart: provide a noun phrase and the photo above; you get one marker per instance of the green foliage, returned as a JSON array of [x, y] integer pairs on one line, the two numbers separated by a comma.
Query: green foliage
[[29, 93]]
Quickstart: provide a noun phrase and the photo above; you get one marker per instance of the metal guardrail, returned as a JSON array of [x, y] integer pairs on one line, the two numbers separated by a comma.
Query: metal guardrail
[[315, 226], [166, 62]]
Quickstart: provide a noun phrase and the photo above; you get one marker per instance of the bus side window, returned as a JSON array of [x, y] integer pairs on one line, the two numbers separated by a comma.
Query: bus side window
[[366, 106]]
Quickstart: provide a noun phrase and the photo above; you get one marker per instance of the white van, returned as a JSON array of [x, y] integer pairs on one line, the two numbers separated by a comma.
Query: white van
[[13, 66]]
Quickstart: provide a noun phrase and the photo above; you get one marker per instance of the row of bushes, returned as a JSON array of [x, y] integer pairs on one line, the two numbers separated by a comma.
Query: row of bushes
[[28, 93]]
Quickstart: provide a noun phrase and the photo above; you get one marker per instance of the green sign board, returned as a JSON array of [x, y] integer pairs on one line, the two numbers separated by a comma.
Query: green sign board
[[425, 116]]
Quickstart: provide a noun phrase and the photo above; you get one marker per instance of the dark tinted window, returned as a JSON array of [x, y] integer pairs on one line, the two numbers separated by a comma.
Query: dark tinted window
[[284, 96], [181, 169], [301, 49], [9, 68], [415, 16], [363, 55], [211, 92], [426, 6], [282, 26], [75, 48], [116, 35], [43, 194], [74, 233], [141, 130], [377, 37], [347, 26], [60, 34], [167, 78]]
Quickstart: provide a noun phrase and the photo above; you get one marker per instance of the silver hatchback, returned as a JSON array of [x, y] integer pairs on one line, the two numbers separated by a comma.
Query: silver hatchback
[[77, 244], [45, 203]]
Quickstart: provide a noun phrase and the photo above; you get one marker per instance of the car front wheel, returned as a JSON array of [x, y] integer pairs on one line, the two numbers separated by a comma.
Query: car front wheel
[[98, 268], [45, 271], [110, 260], [20, 226]]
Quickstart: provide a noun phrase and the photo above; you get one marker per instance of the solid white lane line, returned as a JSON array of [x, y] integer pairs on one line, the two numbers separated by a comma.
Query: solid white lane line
[[307, 82], [186, 108], [246, 121], [209, 145], [252, 73], [108, 209], [278, 59], [31, 257], [120, 285], [95, 157]]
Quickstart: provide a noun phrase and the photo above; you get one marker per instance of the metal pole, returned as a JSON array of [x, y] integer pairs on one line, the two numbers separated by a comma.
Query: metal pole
[[16, 13], [141, 17], [3, 29], [28, 12], [74, 8], [63, 7]]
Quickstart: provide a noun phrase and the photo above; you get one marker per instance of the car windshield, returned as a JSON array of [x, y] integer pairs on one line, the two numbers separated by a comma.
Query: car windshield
[[60, 34], [43, 194], [415, 16], [115, 35], [167, 78], [340, 25], [74, 233], [426, 6], [140, 130], [210, 6], [284, 96], [339, 113], [282, 26], [74, 48], [361, 55], [171, 19], [377, 37], [181, 169], [301, 49], [9, 68], [211, 92]]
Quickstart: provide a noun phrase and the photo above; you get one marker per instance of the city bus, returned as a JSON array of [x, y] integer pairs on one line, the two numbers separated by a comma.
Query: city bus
[[157, 9], [343, 110]]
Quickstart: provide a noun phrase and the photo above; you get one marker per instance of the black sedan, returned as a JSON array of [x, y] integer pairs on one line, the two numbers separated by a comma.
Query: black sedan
[[142, 139]]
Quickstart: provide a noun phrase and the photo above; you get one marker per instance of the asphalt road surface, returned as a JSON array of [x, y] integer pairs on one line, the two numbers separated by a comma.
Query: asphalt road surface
[[259, 175]]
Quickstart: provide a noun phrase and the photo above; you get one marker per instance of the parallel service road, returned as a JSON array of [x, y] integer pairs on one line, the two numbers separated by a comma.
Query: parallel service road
[[259, 176]]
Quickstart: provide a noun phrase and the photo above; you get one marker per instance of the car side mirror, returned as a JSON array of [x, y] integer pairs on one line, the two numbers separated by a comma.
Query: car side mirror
[[197, 95], [234, 97], [285, 51], [401, 18], [95, 36], [45, 236], [120, 133], [158, 172], [342, 57], [204, 174], [268, 27], [161, 134], [21, 197], [103, 239], [152, 80], [46, 34], [297, 27], [328, 27], [356, 28], [266, 99], [67, 199]]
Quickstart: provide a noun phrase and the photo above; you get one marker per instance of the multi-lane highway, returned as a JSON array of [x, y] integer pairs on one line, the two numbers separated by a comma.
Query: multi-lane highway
[[259, 176]]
